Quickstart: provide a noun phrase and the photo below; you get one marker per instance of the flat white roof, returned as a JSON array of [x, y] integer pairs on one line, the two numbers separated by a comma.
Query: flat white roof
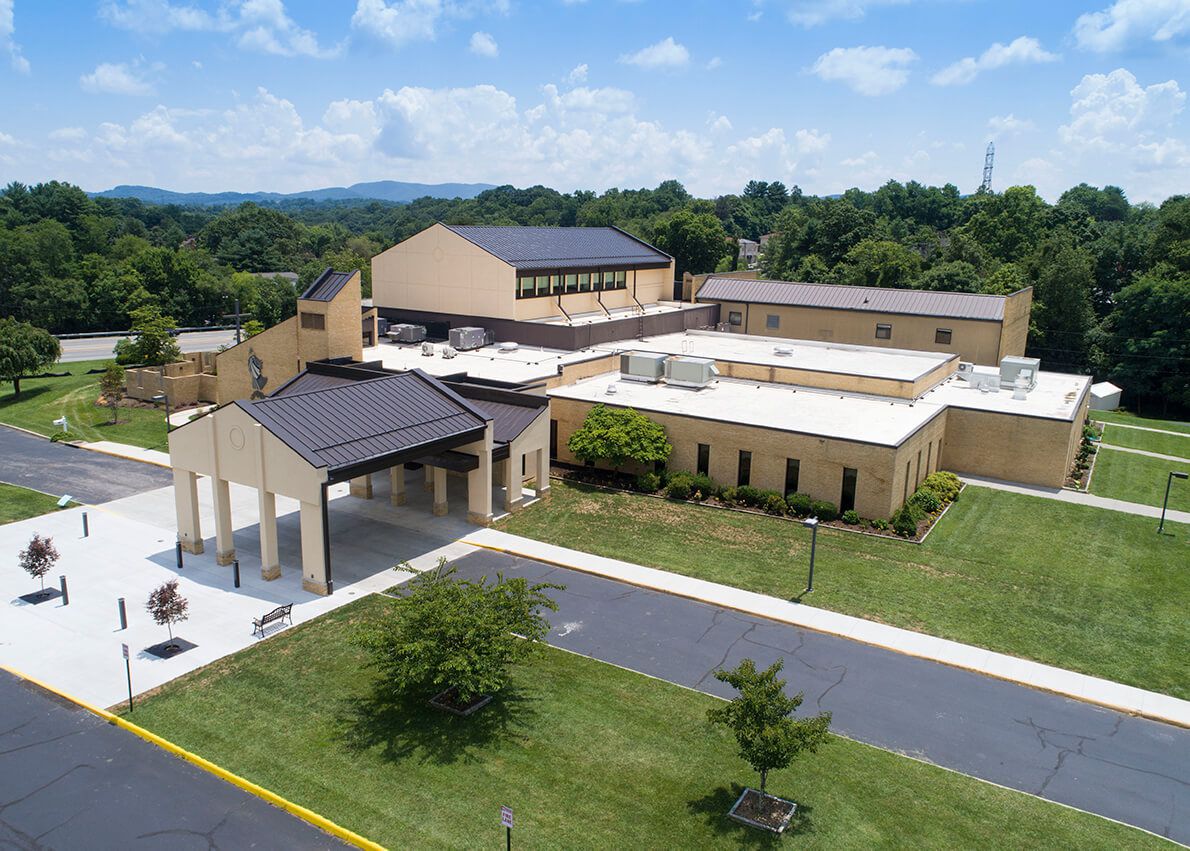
[[822, 413], [868, 361], [525, 365], [1056, 396], [595, 317]]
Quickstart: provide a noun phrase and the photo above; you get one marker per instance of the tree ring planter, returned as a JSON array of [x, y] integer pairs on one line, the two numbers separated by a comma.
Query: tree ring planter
[[43, 596], [448, 701], [169, 649], [763, 811]]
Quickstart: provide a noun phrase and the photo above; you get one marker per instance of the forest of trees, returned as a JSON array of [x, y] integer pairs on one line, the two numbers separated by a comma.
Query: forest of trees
[[1111, 279]]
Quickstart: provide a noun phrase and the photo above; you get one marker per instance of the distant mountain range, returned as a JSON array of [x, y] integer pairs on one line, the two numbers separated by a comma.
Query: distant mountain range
[[380, 190]]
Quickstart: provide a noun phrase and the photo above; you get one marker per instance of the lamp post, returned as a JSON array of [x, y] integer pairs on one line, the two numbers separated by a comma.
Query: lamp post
[[1173, 474], [812, 524], [159, 398]]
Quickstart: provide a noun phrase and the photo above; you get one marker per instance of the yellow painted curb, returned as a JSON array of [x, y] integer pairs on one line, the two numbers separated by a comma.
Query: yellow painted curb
[[1126, 710], [247, 785]]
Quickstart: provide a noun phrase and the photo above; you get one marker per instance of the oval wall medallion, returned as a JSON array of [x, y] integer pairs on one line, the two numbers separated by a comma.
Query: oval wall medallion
[[236, 436]]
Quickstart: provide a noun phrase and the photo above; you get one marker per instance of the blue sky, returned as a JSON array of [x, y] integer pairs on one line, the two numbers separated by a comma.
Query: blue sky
[[211, 95]]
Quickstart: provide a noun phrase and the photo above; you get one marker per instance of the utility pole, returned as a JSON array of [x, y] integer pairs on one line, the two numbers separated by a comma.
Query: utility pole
[[237, 316]]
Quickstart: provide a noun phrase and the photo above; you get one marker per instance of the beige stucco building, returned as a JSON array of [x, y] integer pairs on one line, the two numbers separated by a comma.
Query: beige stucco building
[[982, 329]]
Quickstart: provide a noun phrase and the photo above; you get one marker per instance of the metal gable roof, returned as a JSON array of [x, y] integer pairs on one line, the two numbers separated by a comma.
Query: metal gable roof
[[843, 297], [338, 427], [562, 248], [327, 285]]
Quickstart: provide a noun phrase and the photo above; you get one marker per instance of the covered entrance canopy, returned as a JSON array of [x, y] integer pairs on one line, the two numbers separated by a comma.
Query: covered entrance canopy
[[333, 424]]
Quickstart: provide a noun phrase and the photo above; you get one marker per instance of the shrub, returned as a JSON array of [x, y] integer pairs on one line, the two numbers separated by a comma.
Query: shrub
[[903, 521], [617, 436], [59, 436], [704, 487], [748, 495], [728, 495], [926, 499], [774, 503], [799, 504], [680, 486], [823, 510], [648, 482], [943, 483], [851, 517], [879, 523]]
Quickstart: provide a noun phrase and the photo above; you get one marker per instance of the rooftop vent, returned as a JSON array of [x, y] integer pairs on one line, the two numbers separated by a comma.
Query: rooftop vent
[[783, 351], [682, 371], [642, 366], [611, 390], [427, 350], [509, 346], [449, 352]]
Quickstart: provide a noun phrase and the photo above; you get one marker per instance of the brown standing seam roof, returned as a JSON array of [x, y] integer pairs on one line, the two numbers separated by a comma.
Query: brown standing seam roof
[[555, 248], [327, 285], [843, 297]]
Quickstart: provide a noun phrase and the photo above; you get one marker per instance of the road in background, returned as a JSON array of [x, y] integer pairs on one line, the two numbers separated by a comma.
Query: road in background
[[98, 348]]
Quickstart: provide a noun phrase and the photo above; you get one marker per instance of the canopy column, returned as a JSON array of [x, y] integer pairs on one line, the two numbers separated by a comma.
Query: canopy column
[[440, 504], [186, 504], [361, 486], [396, 478]]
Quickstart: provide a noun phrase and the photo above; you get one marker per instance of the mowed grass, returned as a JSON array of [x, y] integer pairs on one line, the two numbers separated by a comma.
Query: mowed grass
[[1139, 478], [1129, 418], [1078, 587], [587, 755], [44, 400], [1150, 441], [17, 503]]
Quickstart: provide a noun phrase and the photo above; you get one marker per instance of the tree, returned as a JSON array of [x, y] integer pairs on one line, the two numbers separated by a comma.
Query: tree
[[38, 558], [167, 606], [25, 350], [879, 263], [1062, 312], [153, 343], [619, 435], [696, 241], [111, 385], [446, 633], [955, 276], [1007, 279], [759, 716]]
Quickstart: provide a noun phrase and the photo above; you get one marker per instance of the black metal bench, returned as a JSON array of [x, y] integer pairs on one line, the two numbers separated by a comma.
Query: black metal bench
[[278, 614]]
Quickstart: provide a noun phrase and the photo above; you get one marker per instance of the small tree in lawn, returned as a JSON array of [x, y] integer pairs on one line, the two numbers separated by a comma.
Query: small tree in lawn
[[38, 558], [168, 607], [619, 435], [111, 385], [24, 350], [759, 717], [447, 633]]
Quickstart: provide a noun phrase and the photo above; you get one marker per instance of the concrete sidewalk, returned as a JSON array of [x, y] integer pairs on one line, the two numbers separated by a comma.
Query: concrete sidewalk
[[1034, 674], [1079, 498], [1175, 458], [1143, 428], [125, 450]]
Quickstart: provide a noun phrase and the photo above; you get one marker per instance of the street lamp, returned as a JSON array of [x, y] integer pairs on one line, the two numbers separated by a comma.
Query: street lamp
[[812, 524], [159, 398], [1173, 474]]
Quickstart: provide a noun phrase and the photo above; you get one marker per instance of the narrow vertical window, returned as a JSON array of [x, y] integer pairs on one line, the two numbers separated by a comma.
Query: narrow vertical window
[[847, 495], [704, 459], [553, 438], [744, 472], [792, 470]]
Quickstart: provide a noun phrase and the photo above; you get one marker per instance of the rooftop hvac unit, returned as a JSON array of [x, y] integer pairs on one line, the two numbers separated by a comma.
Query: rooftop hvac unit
[[966, 370], [642, 366], [509, 346], [427, 350], [382, 326], [468, 338], [681, 371], [1012, 368], [449, 352], [403, 332]]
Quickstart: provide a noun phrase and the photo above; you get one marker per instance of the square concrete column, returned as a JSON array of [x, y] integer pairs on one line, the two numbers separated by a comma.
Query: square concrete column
[[428, 484], [313, 554], [440, 503], [513, 483], [396, 480], [186, 505], [361, 486], [543, 472], [270, 563], [479, 483], [225, 547]]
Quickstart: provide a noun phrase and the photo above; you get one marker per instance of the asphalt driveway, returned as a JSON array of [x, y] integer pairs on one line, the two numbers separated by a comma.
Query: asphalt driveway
[[1130, 769], [70, 780], [89, 477]]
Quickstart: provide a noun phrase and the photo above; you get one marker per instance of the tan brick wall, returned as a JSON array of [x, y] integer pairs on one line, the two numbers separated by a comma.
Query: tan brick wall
[[1007, 446], [880, 469], [277, 348], [1015, 331]]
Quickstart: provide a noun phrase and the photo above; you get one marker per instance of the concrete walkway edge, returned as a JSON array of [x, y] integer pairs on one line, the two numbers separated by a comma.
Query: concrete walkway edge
[[1117, 696], [1175, 458], [1078, 498]]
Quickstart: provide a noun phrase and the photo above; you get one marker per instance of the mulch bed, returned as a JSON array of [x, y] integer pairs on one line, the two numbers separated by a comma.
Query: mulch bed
[[41, 596], [764, 811], [448, 701], [169, 649]]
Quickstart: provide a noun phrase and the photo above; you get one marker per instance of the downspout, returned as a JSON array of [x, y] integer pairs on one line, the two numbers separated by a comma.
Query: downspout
[[640, 306], [326, 543], [599, 295], [569, 321]]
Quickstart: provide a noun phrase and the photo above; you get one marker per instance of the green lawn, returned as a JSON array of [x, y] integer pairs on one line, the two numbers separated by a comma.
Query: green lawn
[[44, 400], [588, 756], [1129, 418], [1082, 588], [1150, 441], [1139, 478], [17, 503]]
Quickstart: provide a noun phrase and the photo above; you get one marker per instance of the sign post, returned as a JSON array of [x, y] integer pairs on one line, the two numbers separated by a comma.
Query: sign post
[[128, 671], [506, 820]]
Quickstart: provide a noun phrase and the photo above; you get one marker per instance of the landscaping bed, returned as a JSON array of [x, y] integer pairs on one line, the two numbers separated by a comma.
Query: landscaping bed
[[588, 755], [1079, 477]]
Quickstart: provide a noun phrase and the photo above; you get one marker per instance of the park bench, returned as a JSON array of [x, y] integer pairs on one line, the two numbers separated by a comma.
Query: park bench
[[277, 614]]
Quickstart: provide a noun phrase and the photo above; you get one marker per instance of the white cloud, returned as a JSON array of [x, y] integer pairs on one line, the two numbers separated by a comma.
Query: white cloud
[[68, 134], [719, 123], [812, 13], [8, 43], [862, 161], [1021, 51], [260, 25], [664, 54], [811, 141], [6, 139], [1008, 125], [713, 63], [1127, 22], [482, 44], [578, 74], [116, 78], [399, 22], [867, 70]]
